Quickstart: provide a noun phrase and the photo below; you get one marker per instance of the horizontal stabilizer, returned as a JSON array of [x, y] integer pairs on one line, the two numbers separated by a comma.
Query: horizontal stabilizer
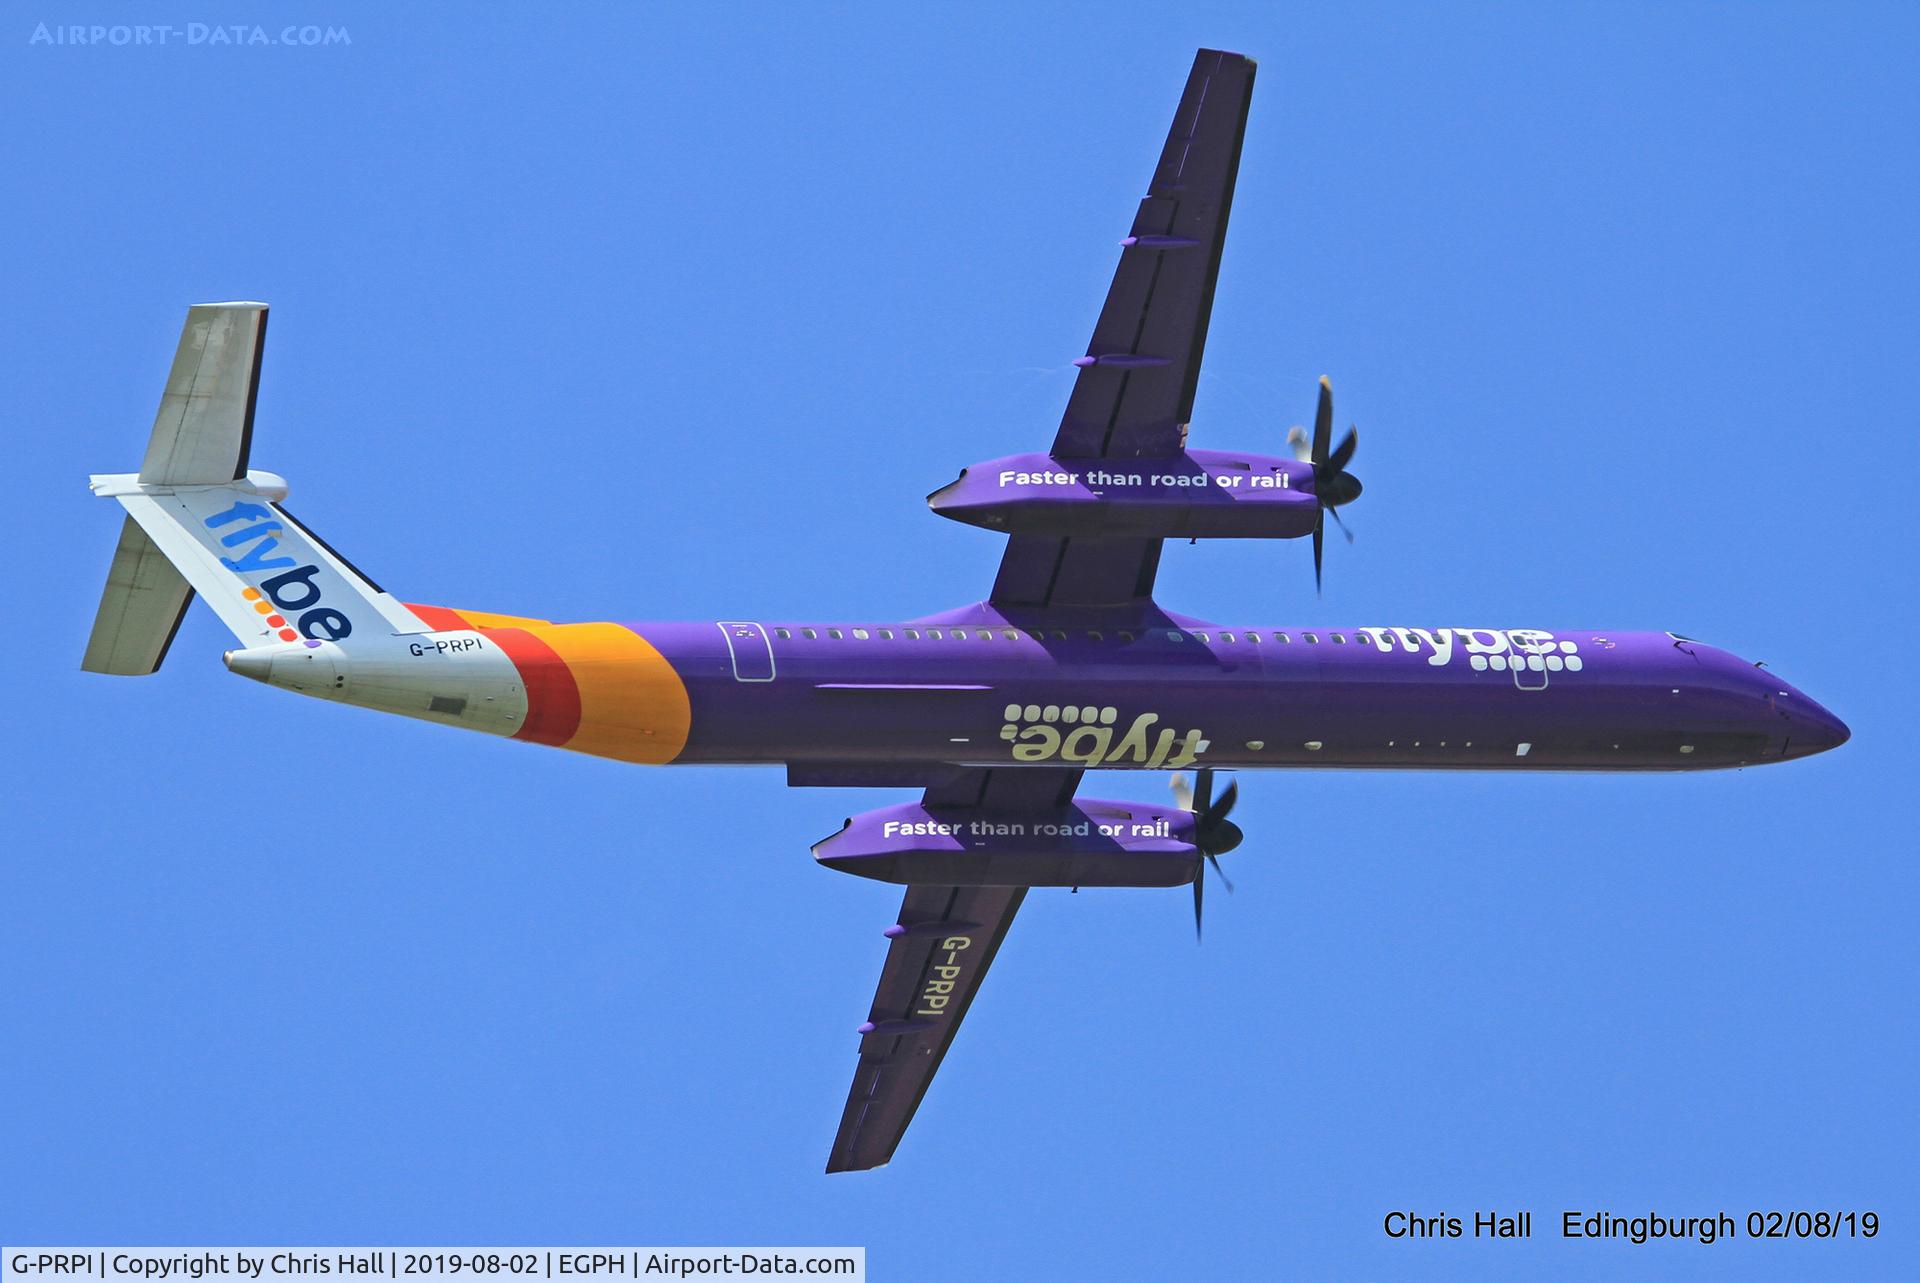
[[140, 610]]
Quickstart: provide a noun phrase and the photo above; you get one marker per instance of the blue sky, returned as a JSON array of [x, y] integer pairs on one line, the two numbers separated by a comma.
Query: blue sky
[[646, 311]]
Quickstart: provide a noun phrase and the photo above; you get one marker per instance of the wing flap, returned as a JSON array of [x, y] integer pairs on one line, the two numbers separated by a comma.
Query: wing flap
[[1047, 570]]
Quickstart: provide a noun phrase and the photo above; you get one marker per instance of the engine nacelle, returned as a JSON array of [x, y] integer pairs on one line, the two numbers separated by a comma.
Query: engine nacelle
[[1202, 494], [1089, 843]]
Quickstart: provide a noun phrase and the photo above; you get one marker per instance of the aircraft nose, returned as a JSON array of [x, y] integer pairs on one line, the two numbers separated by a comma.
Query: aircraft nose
[[1810, 727], [1819, 730]]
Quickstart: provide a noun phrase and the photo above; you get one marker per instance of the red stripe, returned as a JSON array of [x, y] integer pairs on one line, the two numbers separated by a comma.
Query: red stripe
[[438, 618], [553, 698]]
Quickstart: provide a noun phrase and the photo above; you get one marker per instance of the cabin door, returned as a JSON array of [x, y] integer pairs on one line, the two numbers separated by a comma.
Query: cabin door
[[750, 649], [1530, 669]]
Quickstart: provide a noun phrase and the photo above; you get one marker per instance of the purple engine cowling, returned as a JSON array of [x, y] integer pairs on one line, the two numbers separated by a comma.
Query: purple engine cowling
[[1090, 843], [1212, 494]]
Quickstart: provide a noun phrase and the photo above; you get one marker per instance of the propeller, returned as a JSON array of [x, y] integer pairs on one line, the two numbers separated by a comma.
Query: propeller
[[1332, 483], [1213, 833]]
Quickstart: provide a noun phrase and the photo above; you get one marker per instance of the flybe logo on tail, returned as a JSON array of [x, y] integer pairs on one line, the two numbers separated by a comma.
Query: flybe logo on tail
[[1092, 737], [292, 592]]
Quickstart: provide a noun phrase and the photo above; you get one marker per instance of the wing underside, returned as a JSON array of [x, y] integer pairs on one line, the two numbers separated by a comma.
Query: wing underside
[[1134, 394], [932, 972]]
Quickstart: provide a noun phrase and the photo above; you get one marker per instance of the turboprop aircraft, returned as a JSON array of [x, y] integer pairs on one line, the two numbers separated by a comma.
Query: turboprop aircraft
[[992, 710]]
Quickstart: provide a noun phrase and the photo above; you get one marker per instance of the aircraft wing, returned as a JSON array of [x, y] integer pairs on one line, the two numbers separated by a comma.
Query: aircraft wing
[[1134, 396], [931, 974]]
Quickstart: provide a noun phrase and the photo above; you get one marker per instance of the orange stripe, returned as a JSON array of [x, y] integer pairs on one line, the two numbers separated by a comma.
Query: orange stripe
[[633, 706], [484, 619], [440, 618]]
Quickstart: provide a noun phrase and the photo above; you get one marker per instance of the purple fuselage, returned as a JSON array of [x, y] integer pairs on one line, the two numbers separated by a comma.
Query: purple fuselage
[[972, 688]]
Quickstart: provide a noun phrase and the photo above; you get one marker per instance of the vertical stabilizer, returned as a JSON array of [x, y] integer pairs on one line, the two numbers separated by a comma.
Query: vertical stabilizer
[[198, 520]]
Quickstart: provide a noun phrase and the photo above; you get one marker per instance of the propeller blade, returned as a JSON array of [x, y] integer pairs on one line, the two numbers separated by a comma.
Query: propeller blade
[[1228, 796], [1323, 421], [1344, 454], [1297, 439], [1213, 833], [1342, 524], [1199, 892], [1319, 531]]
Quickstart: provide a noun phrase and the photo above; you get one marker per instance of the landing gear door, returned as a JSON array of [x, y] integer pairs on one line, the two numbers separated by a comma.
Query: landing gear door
[[750, 649]]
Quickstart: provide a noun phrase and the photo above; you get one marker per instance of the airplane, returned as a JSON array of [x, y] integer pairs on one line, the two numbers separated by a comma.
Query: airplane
[[993, 710]]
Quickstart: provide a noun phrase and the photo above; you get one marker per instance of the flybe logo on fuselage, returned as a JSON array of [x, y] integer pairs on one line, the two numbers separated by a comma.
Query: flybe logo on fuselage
[[1092, 737], [256, 543], [1498, 649]]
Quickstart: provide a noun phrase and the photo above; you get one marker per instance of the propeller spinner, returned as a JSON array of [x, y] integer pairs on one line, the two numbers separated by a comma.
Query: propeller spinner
[[1332, 483]]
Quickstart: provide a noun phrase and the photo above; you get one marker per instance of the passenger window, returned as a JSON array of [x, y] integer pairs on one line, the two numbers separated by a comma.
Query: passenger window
[[1095, 636], [1011, 634], [933, 634], [1174, 634], [1200, 637], [1339, 639], [1283, 638], [886, 634], [809, 634], [1312, 639], [1253, 638], [1059, 635], [836, 634], [783, 634], [860, 634], [1124, 635], [959, 634], [984, 634], [1227, 638]]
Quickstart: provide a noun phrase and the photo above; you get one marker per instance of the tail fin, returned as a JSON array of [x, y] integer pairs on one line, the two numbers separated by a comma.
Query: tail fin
[[199, 521]]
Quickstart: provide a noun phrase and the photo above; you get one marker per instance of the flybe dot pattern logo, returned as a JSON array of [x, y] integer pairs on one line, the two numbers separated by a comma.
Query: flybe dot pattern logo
[[1092, 736], [274, 619], [1499, 650], [289, 602]]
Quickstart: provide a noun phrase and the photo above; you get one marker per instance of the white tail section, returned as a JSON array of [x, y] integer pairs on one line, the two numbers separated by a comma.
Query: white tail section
[[199, 521]]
